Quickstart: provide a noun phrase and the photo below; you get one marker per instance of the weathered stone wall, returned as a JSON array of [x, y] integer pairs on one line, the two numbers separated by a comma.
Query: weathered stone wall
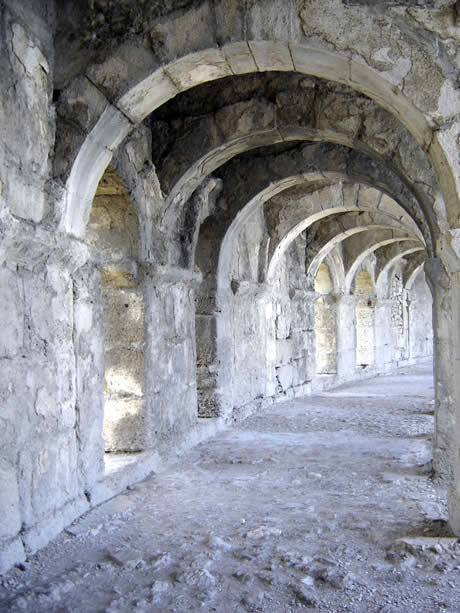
[[41, 477], [371, 117], [252, 316], [27, 126], [170, 357], [294, 324], [420, 329]]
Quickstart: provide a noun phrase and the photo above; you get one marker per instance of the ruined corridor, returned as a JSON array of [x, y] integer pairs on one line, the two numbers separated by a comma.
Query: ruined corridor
[[324, 503], [210, 212]]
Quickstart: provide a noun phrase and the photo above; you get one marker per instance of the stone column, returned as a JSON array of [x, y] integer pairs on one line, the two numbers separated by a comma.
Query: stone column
[[383, 336], [443, 277], [249, 343], [446, 329], [346, 337], [169, 355], [451, 438], [89, 364], [214, 345]]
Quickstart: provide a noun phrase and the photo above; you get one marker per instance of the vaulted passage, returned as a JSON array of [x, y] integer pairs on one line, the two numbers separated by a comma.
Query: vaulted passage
[[209, 208], [299, 508]]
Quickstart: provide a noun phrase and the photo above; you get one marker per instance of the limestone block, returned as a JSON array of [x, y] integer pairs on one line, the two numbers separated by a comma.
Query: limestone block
[[12, 309], [123, 423], [443, 154], [18, 386], [301, 341], [240, 58], [49, 309], [83, 316], [382, 91], [339, 117], [113, 226], [319, 63], [197, 68], [10, 505], [25, 199], [64, 371], [147, 95], [24, 111], [302, 314], [389, 206], [49, 476], [283, 322], [300, 370], [284, 350], [195, 30], [271, 55], [123, 317], [124, 370]]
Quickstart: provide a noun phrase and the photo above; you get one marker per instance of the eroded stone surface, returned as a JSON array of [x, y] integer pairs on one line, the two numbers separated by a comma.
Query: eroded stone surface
[[171, 259], [324, 502]]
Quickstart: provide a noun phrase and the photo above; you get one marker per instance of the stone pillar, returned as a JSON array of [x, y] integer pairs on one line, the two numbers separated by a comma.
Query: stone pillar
[[268, 315], [325, 343], [214, 346], [383, 338], [405, 325], [43, 407], [89, 362], [452, 419], [446, 330], [169, 355], [346, 337], [249, 343]]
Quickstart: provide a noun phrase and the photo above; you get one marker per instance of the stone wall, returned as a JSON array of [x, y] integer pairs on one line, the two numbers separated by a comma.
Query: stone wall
[[197, 300], [420, 329]]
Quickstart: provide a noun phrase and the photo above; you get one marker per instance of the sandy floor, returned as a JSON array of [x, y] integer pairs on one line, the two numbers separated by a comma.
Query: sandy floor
[[302, 507]]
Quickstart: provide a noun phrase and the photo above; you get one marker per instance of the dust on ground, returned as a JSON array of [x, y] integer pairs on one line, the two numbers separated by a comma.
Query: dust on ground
[[325, 503]]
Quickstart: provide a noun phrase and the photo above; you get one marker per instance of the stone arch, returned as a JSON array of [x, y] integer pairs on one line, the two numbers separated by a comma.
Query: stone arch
[[410, 280], [364, 289], [318, 209], [283, 111], [325, 323], [351, 273], [312, 213], [314, 264], [382, 285], [139, 100]]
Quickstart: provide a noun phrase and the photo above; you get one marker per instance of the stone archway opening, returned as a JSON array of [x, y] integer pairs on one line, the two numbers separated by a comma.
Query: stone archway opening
[[113, 231], [325, 324], [365, 320]]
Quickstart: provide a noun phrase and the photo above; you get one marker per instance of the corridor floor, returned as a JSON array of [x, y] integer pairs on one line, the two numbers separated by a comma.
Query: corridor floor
[[324, 503]]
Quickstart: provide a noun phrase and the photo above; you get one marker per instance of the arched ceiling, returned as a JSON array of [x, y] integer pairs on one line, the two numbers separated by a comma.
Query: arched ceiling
[[332, 124], [297, 133]]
